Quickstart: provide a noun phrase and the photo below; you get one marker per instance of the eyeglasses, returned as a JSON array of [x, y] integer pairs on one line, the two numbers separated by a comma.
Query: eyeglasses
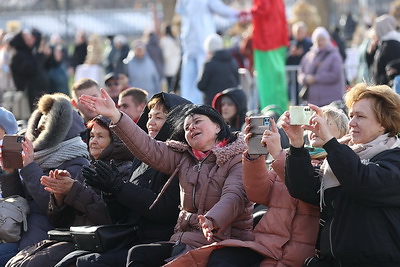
[[111, 84]]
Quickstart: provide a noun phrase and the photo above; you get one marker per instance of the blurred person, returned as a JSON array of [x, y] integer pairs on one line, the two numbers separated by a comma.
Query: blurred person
[[57, 71], [132, 101], [206, 150], [198, 23], [25, 68], [358, 182], [112, 85], [6, 79], [232, 105], [88, 87], [321, 69], [155, 52], [92, 67], [171, 49], [80, 51], [300, 44], [118, 52], [384, 48], [51, 142], [141, 69], [219, 72], [123, 81]]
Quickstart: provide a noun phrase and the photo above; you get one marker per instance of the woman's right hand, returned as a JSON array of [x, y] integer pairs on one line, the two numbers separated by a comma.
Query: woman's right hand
[[295, 133], [28, 155], [103, 105]]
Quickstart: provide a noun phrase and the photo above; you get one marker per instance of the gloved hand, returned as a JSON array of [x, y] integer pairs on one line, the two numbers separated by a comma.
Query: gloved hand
[[108, 177], [92, 179]]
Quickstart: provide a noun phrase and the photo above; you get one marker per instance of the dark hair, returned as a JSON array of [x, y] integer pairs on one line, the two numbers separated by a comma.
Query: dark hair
[[103, 122], [192, 109]]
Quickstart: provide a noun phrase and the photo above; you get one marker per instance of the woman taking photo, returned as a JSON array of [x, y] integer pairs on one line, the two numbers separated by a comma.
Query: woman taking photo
[[207, 161], [358, 186]]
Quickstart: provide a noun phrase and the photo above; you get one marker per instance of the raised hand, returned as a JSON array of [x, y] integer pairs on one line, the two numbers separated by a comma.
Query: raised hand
[[103, 105], [27, 147], [272, 139], [295, 133], [318, 124]]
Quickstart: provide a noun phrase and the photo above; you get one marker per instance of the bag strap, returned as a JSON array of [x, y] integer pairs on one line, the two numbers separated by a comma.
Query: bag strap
[[319, 62]]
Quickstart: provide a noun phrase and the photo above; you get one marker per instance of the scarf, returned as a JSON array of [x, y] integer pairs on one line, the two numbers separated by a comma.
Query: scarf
[[364, 151], [201, 155], [53, 157]]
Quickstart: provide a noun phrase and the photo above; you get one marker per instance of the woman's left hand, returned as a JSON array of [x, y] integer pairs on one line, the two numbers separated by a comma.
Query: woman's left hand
[[206, 226], [318, 124], [27, 147]]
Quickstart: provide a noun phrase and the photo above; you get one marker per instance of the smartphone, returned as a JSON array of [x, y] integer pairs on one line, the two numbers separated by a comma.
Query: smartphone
[[255, 147], [12, 151], [300, 115], [258, 125]]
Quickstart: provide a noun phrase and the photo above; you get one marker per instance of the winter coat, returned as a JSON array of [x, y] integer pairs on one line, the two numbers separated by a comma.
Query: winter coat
[[327, 67], [285, 235], [219, 73], [239, 98], [26, 70], [388, 50], [62, 124], [212, 186], [144, 184], [364, 208], [143, 74], [198, 22], [172, 55]]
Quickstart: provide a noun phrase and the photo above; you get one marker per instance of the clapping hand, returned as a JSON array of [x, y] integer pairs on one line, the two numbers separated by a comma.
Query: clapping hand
[[103, 177]]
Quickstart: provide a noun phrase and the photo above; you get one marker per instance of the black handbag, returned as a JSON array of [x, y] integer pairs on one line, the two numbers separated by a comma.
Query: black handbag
[[102, 238]]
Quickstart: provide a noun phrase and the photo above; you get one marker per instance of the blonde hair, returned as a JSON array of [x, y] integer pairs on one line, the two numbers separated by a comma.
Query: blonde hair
[[334, 115], [386, 104]]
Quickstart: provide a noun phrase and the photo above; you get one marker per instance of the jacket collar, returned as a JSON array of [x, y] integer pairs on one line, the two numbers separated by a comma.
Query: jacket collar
[[222, 154]]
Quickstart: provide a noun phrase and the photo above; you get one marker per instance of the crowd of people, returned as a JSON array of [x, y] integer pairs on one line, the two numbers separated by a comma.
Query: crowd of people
[[131, 143]]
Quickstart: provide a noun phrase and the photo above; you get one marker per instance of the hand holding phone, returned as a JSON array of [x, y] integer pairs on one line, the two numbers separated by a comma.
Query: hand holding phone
[[12, 151], [258, 124]]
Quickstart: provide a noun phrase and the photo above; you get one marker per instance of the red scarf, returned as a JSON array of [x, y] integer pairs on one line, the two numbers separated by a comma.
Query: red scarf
[[201, 155]]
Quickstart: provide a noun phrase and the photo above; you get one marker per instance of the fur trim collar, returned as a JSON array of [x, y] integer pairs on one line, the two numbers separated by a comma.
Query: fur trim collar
[[223, 154], [54, 113]]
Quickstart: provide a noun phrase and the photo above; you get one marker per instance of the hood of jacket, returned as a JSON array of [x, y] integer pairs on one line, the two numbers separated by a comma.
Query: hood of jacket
[[222, 55], [239, 98], [222, 154], [171, 101], [18, 42], [53, 121]]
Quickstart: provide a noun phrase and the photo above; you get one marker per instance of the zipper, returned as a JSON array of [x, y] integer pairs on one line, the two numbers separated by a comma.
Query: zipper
[[197, 168]]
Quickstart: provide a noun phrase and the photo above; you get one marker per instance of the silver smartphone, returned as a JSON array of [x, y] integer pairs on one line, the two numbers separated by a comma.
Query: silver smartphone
[[258, 124], [300, 115]]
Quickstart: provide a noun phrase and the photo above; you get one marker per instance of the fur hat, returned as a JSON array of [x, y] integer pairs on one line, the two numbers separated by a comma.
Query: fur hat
[[53, 121], [384, 24], [8, 122], [213, 42]]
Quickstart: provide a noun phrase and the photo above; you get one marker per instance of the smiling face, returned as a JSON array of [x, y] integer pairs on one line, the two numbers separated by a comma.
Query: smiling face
[[157, 118], [364, 126], [201, 132], [99, 139]]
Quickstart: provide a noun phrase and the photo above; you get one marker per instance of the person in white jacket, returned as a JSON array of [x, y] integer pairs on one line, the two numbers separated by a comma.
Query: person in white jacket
[[197, 23]]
